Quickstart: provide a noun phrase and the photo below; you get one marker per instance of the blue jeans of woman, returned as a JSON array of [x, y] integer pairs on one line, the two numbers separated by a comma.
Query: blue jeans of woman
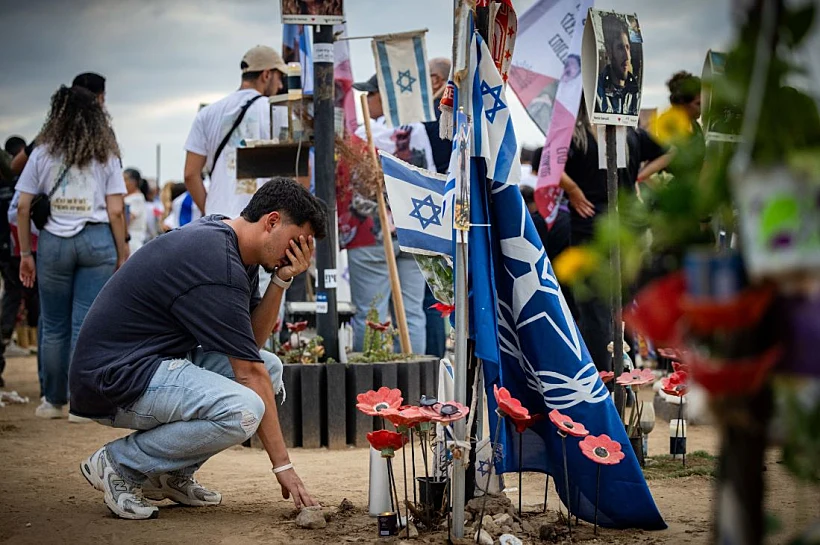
[[71, 272]]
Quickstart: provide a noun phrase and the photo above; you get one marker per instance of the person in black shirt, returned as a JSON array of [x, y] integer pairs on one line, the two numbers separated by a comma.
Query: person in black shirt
[[594, 315], [171, 348]]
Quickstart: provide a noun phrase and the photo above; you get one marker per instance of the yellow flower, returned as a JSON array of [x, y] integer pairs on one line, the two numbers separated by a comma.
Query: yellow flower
[[575, 263], [671, 126]]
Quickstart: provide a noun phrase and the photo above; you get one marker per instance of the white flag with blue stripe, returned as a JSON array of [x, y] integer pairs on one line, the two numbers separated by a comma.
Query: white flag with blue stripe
[[404, 81], [493, 134], [422, 208]]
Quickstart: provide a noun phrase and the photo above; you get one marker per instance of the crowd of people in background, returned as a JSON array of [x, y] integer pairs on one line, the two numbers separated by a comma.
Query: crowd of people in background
[[102, 213]]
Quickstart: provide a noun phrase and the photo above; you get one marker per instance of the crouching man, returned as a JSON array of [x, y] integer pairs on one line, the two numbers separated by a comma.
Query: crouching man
[[171, 348]]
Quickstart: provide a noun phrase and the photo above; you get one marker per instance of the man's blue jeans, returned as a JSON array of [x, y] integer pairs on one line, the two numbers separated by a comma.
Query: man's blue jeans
[[71, 272], [370, 286], [192, 409]]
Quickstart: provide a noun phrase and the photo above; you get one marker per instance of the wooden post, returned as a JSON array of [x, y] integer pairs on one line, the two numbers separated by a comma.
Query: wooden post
[[392, 268]]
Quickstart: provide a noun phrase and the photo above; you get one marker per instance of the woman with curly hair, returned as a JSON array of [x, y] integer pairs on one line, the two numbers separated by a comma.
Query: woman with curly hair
[[83, 241]]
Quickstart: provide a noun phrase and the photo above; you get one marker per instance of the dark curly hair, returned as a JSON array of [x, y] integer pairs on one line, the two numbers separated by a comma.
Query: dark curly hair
[[78, 129], [286, 196], [683, 87]]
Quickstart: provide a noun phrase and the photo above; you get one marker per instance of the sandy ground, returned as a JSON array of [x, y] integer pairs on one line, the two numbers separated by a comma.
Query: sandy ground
[[44, 499]]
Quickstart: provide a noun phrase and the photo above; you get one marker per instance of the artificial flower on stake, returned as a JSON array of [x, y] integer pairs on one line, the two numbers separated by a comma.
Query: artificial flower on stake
[[376, 326], [677, 384], [444, 310], [387, 442], [635, 379], [522, 419], [405, 417], [603, 451], [372, 403], [445, 413], [567, 426], [296, 328], [606, 376]]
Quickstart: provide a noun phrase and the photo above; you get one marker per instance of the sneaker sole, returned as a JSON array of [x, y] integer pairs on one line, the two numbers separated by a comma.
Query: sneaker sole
[[179, 499]]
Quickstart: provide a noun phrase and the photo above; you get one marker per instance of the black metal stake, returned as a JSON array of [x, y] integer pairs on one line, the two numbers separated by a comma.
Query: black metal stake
[[395, 490], [413, 463], [520, 460], [677, 427], [546, 492], [566, 482], [597, 496]]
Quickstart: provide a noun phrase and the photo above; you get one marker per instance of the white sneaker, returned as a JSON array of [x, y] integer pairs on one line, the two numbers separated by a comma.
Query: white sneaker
[[47, 410], [183, 490], [74, 419], [122, 498]]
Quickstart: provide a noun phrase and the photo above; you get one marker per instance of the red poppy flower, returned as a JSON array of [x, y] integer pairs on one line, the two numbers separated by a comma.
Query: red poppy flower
[[372, 403], [445, 413], [658, 311], [676, 384], [405, 417], [606, 376], [671, 353], [566, 425], [521, 424], [277, 327], [636, 378], [386, 441], [445, 310], [286, 346], [297, 327], [677, 366], [601, 449], [377, 326], [508, 405]]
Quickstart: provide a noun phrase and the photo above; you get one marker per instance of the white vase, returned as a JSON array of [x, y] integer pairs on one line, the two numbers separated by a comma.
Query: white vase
[[378, 496]]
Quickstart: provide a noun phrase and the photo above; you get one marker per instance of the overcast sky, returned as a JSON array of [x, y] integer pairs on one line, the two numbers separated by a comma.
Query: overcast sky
[[162, 58]]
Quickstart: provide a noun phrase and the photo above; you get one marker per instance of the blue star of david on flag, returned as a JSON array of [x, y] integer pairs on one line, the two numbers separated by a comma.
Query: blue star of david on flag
[[433, 218], [405, 82], [498, 104]]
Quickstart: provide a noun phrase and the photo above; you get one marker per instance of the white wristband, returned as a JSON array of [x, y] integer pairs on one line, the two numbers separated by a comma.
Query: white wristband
[[284, 284], [280, 469]]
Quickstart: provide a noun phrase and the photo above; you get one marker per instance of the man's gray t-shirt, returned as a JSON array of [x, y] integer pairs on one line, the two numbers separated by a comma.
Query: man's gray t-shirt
[[184, 289]]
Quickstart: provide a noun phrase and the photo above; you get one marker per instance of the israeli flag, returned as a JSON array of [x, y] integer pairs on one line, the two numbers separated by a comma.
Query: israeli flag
[[404, 82], [422, 208], [493, 134]]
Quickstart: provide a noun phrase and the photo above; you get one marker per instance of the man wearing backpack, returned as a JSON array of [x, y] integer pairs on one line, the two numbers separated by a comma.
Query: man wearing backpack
[[219, 128]]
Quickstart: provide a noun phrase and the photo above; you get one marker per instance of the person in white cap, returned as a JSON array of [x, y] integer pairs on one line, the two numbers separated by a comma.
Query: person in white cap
[[215, 135]]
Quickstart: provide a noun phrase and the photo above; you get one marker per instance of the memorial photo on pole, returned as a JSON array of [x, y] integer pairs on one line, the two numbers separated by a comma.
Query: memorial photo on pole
[[313, 12], [614, 43]]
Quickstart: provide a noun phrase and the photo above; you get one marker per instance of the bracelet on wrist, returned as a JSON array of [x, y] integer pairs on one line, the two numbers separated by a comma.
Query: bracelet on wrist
[[25, 254], [284, 284], [280, 469]]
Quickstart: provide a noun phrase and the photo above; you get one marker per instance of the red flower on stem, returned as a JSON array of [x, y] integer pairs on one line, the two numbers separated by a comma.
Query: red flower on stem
[[297, 327], [377, 326], [508, 405], [601, 449], [671, 353], [606, 376], [277, 327], [372, 403], [445, 310], [445, 413], [636, 378], [677, 366], [386, 441], [567, 425], [405, 417], [676, 384]]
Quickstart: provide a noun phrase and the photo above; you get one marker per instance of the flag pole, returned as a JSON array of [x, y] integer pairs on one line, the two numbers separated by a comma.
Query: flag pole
[[461, 224], [390, 257], [615, 264]]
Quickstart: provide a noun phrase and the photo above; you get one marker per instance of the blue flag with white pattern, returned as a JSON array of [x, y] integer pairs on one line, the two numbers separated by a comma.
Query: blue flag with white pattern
[[524, 331], [404, 80]]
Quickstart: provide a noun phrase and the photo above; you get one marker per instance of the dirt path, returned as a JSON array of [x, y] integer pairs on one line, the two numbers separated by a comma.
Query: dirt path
[[44, 499]]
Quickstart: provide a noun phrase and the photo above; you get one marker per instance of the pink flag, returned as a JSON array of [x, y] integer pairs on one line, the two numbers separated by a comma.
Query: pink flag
[[546, 77], [343, 80]]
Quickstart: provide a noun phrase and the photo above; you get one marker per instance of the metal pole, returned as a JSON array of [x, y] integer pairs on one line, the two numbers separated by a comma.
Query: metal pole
[[159, 162], [460, 376], [324, 134], [615, 264]]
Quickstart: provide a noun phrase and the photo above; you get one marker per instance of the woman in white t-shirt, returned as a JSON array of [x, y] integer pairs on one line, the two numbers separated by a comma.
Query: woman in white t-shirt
[[83, 242], [137, 209]]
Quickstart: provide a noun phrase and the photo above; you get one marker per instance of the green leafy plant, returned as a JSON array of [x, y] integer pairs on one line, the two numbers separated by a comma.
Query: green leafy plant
[[378, 341]]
